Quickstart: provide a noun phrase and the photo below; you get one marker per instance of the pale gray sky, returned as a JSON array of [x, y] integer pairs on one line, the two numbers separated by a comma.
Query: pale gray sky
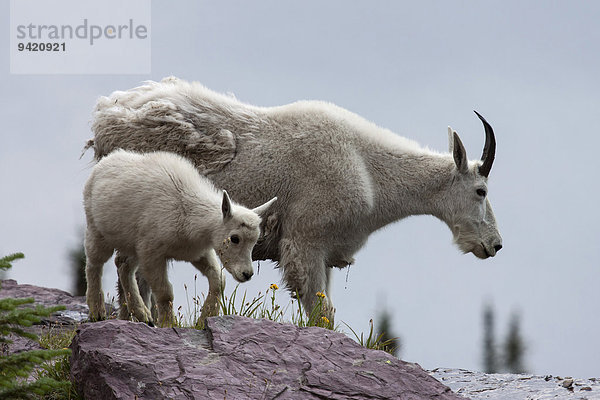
[[531, 68]]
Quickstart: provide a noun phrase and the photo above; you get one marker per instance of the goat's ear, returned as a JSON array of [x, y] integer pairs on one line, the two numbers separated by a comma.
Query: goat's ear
[[260, 210], [226, 206], [459, 153]]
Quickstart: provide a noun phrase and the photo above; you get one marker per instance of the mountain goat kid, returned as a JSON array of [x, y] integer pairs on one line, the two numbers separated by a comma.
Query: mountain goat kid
[[155, 207]]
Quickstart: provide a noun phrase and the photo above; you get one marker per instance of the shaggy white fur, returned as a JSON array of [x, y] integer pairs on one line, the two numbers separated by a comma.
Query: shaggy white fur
[[155, 207], [338, 177]]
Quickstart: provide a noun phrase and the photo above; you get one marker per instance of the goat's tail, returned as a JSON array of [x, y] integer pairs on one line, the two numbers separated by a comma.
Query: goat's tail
[[90, 143]]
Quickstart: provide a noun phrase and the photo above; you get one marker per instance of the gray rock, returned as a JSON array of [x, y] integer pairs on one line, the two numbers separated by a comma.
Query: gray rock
[[477, 385], [239, 358], [568, 383], [76, 311]]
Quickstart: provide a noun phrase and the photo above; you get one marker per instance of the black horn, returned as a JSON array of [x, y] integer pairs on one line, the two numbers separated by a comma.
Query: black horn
[[489, 149]]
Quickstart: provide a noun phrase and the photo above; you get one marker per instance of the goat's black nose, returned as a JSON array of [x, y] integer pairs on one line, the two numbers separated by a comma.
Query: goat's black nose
[[247, 274], [497, 247]]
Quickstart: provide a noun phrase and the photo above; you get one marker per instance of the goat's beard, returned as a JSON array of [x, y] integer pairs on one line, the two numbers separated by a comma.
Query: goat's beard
[[468, 241]]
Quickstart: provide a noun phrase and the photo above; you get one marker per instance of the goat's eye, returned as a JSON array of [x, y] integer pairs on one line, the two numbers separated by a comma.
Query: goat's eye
[[235, 239], [481, 192]]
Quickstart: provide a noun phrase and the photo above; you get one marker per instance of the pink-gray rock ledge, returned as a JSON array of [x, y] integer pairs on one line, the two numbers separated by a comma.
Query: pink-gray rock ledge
[[239, 358]]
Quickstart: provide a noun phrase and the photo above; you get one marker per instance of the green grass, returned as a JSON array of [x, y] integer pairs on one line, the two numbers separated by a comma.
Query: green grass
[[59, 368], [373, 341], [261, 306], [265, 305]]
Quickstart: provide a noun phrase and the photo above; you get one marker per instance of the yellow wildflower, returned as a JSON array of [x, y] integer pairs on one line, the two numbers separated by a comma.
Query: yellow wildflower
[[321, 295], [325, 320], [273, 286]]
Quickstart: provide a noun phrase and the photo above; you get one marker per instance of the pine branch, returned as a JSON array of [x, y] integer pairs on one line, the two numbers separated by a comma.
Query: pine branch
[[5, 262], [16, 369], [39, 387], [10, 303], [13, 318], [21, 364]]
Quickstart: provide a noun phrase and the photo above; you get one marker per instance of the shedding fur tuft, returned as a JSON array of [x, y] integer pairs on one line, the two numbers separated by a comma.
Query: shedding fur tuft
[[174, 116]]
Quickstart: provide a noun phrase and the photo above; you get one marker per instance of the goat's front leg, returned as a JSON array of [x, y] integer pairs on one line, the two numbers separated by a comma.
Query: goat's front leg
[[154, 271], [305, 272], [210, 268]]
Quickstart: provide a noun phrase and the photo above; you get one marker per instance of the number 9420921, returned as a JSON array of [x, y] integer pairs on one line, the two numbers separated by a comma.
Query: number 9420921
[[35, 46]]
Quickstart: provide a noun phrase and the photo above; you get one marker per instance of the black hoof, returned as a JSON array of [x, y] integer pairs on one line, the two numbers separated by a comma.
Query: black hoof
[[150, 324]]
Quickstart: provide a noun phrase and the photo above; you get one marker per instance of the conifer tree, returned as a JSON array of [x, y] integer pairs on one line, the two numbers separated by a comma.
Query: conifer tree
[[490, 359], [77, 262], [392, 343], [514, 348], [16, 369]]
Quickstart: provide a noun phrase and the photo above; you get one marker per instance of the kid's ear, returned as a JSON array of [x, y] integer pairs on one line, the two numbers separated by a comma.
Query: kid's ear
[[226, 206]]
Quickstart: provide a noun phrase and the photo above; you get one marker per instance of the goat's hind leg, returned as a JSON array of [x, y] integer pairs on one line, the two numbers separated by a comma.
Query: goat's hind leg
[[154, 272], [143, 287], [131, 302], [121, 259], [147, 296], [97, 252], [210, 268]]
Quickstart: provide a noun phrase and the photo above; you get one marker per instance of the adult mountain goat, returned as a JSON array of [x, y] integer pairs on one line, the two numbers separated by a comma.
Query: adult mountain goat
[[337, 176], [155, 207]]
